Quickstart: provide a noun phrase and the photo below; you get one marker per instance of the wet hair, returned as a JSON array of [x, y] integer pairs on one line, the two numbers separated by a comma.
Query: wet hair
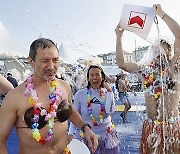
[[102, 73], [118, 76], [40, 43], [123, 76], [163, 41], [9, 74]]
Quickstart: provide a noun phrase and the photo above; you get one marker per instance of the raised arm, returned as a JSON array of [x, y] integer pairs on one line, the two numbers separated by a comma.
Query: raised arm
[[121, 62], [172, 24]]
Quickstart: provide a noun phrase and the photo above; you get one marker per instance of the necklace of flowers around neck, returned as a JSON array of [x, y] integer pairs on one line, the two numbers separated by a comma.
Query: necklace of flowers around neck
[[38, 111], [152, 81], [102, 109]]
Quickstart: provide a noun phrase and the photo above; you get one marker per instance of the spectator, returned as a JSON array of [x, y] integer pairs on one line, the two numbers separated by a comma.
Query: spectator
[[123, 88], [11, 79], [96, 104], [5, 87]]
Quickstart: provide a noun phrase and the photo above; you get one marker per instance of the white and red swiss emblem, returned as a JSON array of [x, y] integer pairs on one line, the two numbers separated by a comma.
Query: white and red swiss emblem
[[137, 19]]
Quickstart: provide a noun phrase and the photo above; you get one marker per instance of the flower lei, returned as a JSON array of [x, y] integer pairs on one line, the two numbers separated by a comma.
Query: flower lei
[[101, 112], [152, 78], [38, 111], [67, 151]]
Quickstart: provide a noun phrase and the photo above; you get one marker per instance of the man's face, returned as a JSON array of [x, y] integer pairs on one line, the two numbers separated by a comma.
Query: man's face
[[95, 78], [46, 63]]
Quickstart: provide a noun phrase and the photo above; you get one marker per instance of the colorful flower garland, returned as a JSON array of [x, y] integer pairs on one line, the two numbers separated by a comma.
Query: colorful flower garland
[[50, 114], [101, 112], [152, 81]]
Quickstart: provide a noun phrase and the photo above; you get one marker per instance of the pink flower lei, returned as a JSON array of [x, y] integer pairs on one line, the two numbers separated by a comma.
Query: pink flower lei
[[50, 114], [101, 112]]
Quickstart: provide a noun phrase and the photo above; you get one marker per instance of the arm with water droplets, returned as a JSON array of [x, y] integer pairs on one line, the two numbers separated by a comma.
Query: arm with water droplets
[[120, 59], [171, 23]]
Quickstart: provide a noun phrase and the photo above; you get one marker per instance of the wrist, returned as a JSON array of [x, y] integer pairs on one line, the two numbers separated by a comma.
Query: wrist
[[84, 126], [119, 38], [163, 15]]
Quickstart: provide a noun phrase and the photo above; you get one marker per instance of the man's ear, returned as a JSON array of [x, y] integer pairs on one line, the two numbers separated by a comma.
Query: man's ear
[[31, 62]]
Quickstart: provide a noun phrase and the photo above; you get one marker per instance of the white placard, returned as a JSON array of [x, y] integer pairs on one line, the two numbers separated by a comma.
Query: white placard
[[78, 147], [137, 19]]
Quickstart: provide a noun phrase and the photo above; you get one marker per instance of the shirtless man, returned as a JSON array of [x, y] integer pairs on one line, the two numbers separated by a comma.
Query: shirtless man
[[35, 106], [123, 88], [160, 133]]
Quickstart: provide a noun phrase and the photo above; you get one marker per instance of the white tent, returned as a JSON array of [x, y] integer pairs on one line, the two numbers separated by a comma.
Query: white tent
[[9, 46], [70, 55]]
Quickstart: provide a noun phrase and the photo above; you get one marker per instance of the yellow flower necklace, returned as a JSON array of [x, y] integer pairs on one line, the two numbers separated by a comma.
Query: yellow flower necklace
[[38, 111], [152, 81], [101, 112]]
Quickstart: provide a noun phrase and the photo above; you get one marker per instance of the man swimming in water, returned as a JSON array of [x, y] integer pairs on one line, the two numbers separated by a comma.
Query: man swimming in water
[[160, 77], [40, 106]]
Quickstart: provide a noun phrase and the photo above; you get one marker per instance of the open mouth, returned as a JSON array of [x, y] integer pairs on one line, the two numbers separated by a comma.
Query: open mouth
[[95, 82], [50, 73]]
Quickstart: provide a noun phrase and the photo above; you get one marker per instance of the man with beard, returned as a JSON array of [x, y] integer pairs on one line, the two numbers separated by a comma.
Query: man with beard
[[40, 106]]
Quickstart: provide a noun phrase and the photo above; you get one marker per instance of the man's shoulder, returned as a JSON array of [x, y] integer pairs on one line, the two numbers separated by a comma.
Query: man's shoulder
[[16, 96], [19, 90], [63, 83]]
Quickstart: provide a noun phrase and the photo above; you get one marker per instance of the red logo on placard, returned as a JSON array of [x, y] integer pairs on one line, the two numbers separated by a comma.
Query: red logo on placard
[[137, 19]]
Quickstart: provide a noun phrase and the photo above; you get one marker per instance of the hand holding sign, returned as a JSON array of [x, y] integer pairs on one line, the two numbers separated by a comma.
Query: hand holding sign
[[137, 19]]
